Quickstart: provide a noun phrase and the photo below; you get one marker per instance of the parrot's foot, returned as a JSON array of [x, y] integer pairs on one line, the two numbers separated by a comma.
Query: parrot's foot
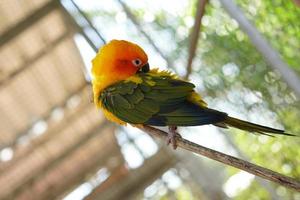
[[172, 134]]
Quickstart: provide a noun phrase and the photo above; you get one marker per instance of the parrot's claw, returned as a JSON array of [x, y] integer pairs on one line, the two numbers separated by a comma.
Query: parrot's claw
[[172, 134]]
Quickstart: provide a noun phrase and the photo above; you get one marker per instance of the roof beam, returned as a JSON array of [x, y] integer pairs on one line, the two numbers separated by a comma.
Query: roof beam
[[44, 117], [29, 63], [40, 171], [64, 177], [126, 185], [22, 152], [34, 17]]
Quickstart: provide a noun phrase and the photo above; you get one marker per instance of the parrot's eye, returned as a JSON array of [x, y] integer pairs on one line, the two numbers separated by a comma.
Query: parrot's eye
[[137, 62]]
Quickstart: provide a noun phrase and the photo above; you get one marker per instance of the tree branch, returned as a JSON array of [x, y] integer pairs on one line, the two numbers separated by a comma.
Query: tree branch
[[227, 159]]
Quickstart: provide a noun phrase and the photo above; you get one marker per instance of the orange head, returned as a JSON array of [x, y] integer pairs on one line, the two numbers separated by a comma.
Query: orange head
[[118, 60]]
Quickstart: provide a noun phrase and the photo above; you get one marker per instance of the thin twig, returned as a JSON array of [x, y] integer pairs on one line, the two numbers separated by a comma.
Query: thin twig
[[195, 35], [228, 160]]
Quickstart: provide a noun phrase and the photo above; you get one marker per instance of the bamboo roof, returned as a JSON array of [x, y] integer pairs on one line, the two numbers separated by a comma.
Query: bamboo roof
[[52, 138], [51, 133]]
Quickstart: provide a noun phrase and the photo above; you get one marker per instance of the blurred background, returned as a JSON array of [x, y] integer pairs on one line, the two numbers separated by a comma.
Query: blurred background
[[54, 144]]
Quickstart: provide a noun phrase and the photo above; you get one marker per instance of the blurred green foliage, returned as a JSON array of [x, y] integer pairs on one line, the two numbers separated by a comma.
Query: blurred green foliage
[[228, 70], [228, 63], [277, 20]]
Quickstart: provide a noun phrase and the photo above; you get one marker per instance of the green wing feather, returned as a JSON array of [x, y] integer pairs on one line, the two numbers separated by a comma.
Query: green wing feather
[[163, 101], [157, 100]]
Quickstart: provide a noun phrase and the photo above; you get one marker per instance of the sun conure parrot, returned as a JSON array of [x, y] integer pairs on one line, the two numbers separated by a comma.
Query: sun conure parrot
[[129, 92]]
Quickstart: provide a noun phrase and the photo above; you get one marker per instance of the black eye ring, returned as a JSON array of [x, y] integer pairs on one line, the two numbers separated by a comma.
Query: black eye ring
[[137, 62]]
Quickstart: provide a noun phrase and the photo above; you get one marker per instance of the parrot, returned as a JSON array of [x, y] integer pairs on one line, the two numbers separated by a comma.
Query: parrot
[[129, 92]]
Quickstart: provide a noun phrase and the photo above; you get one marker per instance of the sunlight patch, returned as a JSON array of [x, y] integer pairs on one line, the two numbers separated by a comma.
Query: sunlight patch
[[237, 183]]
